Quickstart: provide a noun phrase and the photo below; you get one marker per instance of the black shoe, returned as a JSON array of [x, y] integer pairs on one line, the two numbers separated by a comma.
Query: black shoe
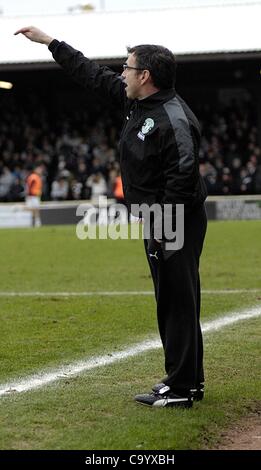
[[162, 396], [197, 393]]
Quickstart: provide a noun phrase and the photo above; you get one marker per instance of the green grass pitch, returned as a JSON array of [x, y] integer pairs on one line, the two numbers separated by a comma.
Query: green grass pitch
[[96, 410]]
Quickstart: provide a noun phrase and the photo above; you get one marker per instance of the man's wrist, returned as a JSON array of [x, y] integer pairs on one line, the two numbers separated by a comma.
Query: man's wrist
[[48, 40]]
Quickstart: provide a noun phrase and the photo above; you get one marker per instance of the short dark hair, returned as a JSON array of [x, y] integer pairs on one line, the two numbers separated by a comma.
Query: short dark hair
[[159, 60]]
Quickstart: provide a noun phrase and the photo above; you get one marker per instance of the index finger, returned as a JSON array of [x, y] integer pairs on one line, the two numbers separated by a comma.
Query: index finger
[[22, 30]]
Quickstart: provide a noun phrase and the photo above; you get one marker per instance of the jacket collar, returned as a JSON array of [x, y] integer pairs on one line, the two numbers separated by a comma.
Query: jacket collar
[[156, 99]]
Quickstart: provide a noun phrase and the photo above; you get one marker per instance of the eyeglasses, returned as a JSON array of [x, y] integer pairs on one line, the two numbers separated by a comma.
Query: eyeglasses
[[126, 66]]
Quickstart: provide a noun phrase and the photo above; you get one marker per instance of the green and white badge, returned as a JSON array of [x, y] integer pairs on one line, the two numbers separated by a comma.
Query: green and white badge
[[147, 126]]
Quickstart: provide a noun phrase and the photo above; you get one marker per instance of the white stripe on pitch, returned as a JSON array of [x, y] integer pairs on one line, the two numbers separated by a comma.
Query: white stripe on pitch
[[73, 294], [45, 378], [117, 293]]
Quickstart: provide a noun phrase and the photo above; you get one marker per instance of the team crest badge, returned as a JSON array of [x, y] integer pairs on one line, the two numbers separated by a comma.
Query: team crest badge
[[147, 126]]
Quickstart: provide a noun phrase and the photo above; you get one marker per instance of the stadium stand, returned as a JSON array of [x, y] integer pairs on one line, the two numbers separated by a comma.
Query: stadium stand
[[80, 156]]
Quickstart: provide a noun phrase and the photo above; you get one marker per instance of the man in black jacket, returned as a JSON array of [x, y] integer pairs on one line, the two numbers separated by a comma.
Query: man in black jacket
[[159, 148]]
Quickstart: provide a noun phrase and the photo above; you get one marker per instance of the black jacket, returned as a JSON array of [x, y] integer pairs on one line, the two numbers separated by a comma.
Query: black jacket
[[160, 139]]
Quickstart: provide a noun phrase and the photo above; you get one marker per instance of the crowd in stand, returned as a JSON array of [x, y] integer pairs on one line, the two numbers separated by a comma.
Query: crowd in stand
[[230, 156], [80, 156]]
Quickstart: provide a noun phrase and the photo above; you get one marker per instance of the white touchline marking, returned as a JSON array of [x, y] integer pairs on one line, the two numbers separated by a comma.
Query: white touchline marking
[[73, 294], [222, 322], [116, 293], [230, 291], [44, 378]]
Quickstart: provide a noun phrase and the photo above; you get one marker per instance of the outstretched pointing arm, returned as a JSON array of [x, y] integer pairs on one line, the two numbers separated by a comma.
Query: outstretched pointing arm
[[86, 72]]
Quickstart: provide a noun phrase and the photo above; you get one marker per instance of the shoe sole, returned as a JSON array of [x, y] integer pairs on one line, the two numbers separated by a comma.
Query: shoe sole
[[167, 405]]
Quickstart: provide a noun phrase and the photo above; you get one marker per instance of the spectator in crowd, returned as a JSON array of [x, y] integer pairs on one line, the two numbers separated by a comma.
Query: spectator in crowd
[[60, 189], [97, 184], [76, 188], [6, 181], [17, 190]]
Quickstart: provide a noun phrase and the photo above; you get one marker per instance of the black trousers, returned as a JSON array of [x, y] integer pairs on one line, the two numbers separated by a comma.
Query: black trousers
[[177, 291]]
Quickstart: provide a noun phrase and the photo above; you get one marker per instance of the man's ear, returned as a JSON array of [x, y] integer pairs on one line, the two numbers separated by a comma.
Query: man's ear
[[145, 76]]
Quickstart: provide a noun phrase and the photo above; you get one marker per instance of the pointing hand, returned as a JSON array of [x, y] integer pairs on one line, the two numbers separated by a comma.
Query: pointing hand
[[35, 35]]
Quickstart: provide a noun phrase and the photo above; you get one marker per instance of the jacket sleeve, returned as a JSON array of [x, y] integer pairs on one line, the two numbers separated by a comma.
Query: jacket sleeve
[[88, 73]]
